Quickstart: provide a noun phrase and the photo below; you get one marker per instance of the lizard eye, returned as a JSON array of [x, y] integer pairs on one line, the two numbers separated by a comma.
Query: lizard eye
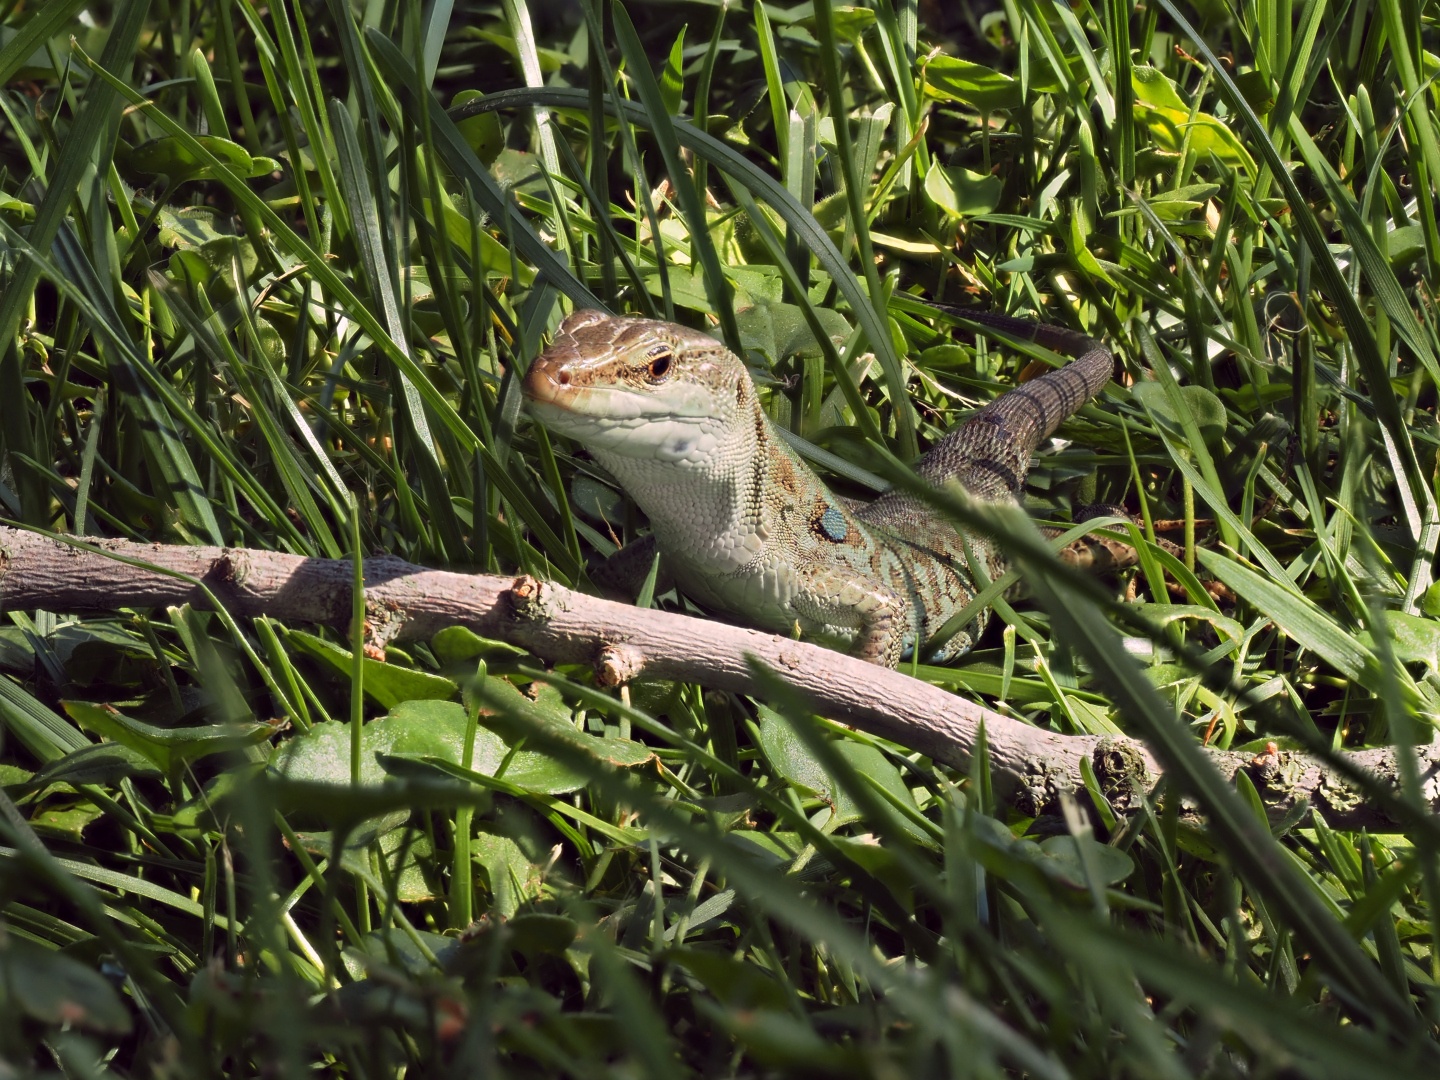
[[659, 362]]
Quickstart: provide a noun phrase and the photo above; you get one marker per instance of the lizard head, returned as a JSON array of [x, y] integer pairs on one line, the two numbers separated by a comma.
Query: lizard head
[[638, 388]]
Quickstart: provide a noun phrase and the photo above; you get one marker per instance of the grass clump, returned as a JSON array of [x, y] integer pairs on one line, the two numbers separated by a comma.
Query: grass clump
[[261, 289]]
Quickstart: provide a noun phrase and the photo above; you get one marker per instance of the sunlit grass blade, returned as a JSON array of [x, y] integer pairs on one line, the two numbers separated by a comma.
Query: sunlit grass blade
[[859, 225], [142, 387], [457, 153], [1415, 490], [315, 262], [95, 120], [736, 167], [692, 203], [1250, 845], [44, 24]]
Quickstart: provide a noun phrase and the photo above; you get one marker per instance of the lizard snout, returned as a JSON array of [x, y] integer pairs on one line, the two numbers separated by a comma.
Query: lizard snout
[[548, 380]]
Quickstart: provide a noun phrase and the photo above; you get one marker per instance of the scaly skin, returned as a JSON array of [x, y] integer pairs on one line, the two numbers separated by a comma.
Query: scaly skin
[[746, 527]]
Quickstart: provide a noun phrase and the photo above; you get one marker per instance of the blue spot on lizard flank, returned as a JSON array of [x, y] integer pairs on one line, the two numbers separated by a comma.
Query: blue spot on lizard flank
[[832, 524]]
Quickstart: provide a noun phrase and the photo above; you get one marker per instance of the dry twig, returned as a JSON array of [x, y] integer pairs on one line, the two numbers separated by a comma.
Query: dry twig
[[623, 642]]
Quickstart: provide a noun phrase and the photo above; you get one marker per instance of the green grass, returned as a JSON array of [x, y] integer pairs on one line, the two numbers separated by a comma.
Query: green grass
[[259, 288]]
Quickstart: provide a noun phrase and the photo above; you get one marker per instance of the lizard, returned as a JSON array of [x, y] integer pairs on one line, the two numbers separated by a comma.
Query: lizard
[[743, 524]]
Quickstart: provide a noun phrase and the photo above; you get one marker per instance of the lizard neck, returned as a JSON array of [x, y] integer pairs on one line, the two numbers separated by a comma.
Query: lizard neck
[[703, 511]]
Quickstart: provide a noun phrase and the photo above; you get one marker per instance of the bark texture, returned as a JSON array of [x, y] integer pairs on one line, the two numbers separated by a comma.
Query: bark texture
[[623, 642]]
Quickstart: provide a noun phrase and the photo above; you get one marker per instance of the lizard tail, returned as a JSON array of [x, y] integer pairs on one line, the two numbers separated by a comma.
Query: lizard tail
[[1034, 410], [989, 454]]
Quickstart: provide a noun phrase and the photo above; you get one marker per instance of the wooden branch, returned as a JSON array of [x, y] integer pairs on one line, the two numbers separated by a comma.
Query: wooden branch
[[622, 642]]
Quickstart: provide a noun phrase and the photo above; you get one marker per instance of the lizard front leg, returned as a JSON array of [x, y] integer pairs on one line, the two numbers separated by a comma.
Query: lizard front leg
[[881, 614]]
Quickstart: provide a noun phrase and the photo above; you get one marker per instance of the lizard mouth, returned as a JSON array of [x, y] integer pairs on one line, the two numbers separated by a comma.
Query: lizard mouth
[[553, 391], [616, 420], [552, 395], [675, 424], [547, 383]]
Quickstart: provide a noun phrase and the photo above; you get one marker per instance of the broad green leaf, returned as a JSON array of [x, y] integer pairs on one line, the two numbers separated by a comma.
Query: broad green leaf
[[1058, 857], [178, 160], [53, 988], [1259, 91], [410, 862], [435, 730], [961, 193], [513, 877], [952, 79], [1171, 122], [1207, 410], [850, 22], [734, 983], [781, 331], [99, 763], [197, 227], [1066, 862], [1404, 245], [1413, 639], [419, 728], [546, 721], [67, 822], [789, 756], [457, 644], [539, 933], [387, 684], [1154, 89], [482, 132], [168, 748], [367, 812]]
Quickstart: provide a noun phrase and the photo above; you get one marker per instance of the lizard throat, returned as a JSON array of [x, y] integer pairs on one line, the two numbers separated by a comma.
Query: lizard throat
[[697, 506]]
